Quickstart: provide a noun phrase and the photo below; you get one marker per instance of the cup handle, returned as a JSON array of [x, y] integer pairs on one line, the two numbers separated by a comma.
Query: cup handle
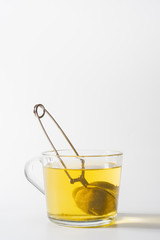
[[31, 172]]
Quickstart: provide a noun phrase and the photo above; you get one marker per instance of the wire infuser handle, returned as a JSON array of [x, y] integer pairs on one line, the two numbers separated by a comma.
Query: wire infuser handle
[[39, 116]]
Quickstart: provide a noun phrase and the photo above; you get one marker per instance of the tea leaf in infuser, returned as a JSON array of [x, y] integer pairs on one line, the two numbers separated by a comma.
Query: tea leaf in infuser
[[96, 198], [111, 188]]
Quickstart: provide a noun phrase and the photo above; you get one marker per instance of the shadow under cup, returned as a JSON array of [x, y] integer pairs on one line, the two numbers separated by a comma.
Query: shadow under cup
[[85, 193]]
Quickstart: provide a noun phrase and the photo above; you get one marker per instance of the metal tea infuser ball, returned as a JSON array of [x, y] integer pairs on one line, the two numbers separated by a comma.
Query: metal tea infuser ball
[[97, 198]]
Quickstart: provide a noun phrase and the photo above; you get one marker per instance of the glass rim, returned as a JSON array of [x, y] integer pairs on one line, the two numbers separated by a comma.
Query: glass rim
[[111, 153]]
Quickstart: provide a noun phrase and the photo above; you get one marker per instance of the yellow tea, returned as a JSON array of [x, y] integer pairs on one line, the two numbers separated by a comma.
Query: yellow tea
[[74, 202]]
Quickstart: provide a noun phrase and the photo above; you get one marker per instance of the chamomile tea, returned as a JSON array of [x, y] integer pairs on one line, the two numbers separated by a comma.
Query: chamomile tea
[[75, 202]]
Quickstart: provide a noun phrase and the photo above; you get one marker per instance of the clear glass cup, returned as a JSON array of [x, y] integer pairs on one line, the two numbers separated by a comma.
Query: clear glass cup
[[78, 195]]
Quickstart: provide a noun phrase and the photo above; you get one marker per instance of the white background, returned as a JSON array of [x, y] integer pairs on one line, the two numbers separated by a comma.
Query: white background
[[95, 65]]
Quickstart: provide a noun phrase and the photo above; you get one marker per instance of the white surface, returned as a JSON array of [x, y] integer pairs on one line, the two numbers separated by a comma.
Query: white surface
[[29, 225], [95, 66]]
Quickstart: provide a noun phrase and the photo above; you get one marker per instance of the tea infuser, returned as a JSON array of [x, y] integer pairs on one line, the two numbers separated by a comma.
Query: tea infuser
[[81, 178], [95, 198]]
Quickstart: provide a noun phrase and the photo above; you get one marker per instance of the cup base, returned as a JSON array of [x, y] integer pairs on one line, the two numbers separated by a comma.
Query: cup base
[[85, 224]]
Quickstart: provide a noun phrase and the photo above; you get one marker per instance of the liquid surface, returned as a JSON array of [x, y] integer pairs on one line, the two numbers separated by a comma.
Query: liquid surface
[[74, 202]]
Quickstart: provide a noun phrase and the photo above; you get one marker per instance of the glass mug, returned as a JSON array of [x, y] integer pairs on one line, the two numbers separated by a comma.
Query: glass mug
[[70, 201]]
